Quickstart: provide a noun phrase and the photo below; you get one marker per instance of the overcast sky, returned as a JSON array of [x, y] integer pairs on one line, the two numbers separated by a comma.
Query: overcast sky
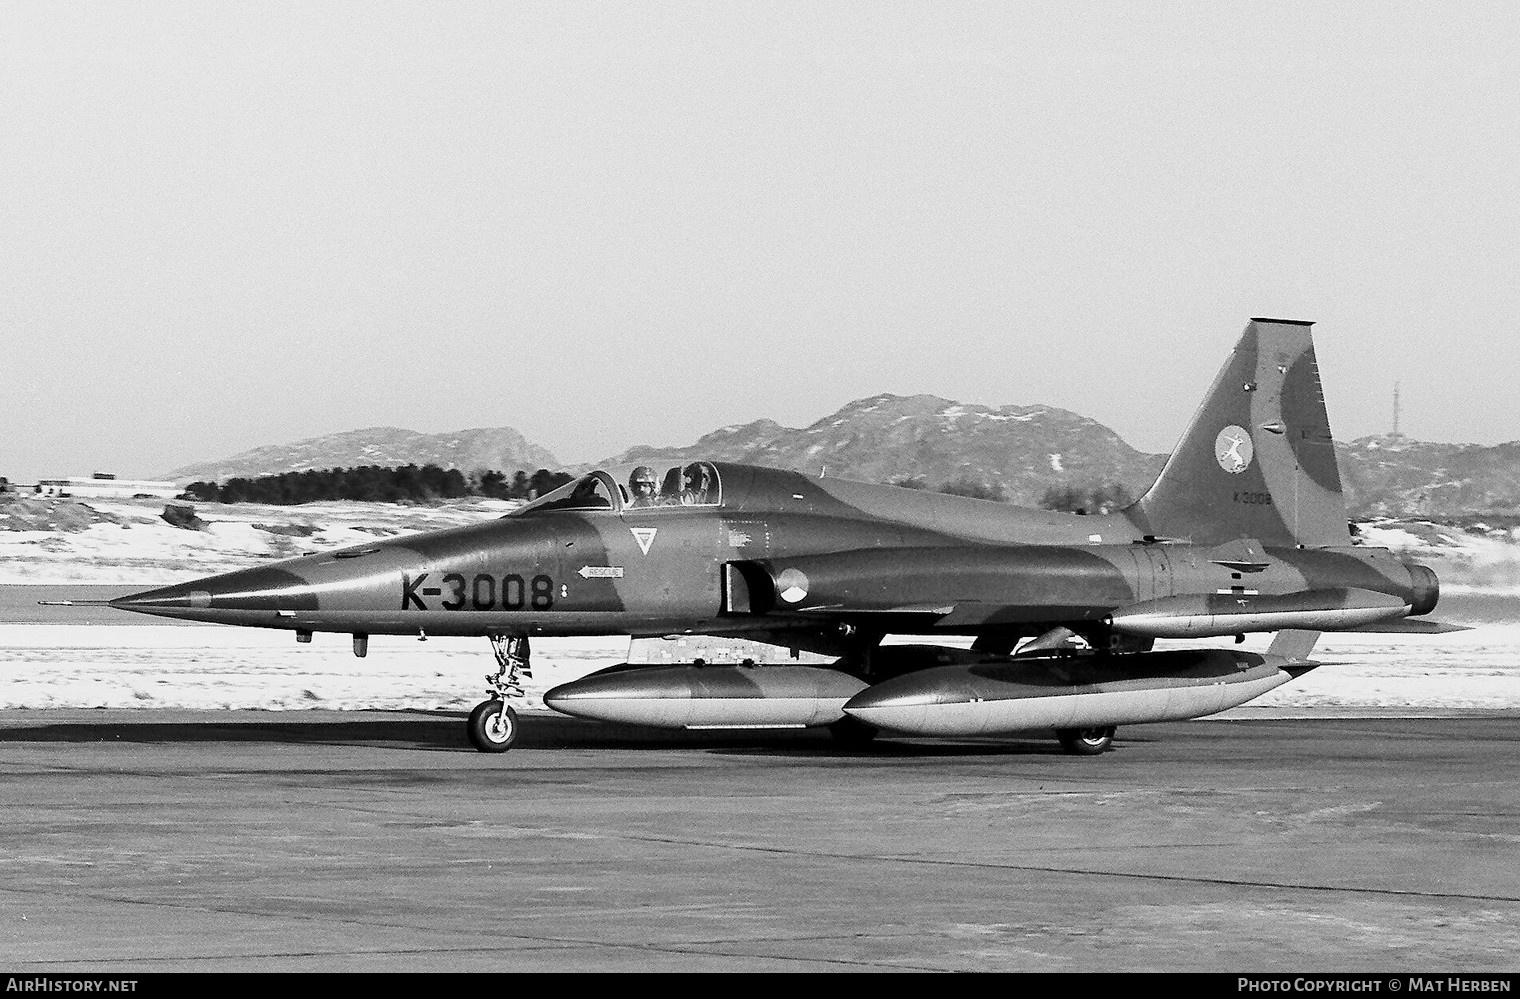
[[228, 225]]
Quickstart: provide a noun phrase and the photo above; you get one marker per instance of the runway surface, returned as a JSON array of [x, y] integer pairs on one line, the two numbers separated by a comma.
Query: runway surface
[[369, 841]]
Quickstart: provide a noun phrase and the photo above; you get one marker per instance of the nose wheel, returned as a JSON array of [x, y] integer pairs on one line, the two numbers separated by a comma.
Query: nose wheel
[[492, 727]]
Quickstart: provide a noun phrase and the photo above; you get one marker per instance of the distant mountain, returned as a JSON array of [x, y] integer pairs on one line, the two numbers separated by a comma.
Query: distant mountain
[[1398, 476], [499, 448], [1028, 449], [1023, 449]]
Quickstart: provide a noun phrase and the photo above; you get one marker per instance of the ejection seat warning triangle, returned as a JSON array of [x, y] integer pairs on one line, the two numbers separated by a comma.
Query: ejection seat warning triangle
[[644, 536]]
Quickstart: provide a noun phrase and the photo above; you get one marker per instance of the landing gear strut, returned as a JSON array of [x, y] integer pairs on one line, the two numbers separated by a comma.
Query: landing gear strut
[[493, 724], [1086, 741]]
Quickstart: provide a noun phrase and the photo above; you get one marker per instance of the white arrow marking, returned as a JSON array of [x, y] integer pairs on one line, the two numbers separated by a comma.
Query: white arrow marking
[[600, 572]]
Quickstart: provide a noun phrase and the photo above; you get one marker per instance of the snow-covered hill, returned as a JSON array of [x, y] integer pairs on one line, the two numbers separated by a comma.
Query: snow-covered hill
[[1467, 560], [128, 542], [499, 448]]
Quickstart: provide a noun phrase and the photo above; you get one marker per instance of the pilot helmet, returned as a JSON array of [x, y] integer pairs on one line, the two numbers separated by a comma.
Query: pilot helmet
[[642, 476]]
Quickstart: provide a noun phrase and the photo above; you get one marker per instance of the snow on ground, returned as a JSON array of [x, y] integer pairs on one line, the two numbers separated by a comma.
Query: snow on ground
[[1466, 670], [171, 666], [1465, 560], [142, 548], [176, 666]]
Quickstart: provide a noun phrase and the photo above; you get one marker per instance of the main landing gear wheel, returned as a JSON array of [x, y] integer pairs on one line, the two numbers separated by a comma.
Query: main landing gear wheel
[[1086, 741], [493, 726]]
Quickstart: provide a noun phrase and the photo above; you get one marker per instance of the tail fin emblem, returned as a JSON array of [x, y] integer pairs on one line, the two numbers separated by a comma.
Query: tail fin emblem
[[1232, 449]]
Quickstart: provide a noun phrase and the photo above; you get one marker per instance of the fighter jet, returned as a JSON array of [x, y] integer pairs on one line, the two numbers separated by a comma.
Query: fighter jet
[[1244, 531]]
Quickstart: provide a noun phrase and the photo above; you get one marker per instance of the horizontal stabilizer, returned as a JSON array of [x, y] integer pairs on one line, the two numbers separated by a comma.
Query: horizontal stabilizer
[[1293, 644]]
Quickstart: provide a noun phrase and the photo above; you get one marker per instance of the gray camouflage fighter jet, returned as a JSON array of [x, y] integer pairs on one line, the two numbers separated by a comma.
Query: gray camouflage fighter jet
[[1244, 531]]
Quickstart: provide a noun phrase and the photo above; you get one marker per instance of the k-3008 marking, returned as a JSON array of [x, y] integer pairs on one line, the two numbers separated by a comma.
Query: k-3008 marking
[[1254, 499], [479, 592]]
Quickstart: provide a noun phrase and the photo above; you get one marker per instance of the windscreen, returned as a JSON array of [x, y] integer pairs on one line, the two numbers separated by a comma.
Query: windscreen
[[635, 487]]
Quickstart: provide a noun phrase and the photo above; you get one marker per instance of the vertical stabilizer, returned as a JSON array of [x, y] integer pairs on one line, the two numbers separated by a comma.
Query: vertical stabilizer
[[1258, 460]]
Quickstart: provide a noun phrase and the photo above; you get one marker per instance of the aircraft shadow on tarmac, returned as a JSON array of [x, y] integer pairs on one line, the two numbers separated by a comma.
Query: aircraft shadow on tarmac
[[444, 732]]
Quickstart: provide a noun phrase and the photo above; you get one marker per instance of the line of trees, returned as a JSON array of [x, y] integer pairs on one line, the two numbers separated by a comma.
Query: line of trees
[[1102, 497], [377, 484], [966, 485], [430, 483]]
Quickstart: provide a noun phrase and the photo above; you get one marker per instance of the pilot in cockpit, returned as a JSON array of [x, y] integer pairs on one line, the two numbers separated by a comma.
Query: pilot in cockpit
[[641, 486], [698, 484]]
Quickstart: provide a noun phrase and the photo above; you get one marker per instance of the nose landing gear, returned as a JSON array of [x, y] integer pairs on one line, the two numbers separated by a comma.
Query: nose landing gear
[[492, 727]]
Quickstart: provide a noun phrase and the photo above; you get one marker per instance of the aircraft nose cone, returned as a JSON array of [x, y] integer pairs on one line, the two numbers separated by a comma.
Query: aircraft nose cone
[[912, 691], [259, 589], [164, 596], [910, 703]]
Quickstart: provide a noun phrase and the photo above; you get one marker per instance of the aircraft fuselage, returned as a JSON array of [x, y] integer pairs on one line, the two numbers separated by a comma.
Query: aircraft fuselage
[[809, 554], [1244, 530]]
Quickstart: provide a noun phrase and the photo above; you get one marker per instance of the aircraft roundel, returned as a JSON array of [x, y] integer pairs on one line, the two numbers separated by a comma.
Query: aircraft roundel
[[1232, 449], [792, 584]]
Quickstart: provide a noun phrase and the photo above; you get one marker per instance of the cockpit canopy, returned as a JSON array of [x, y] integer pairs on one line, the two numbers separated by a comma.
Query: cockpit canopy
[[635, 487]]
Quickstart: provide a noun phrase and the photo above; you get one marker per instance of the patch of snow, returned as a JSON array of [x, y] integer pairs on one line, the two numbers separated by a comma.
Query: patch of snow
[[148, 551], [1465, 562], [169, 666], [209, 666], [1055, 463]]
